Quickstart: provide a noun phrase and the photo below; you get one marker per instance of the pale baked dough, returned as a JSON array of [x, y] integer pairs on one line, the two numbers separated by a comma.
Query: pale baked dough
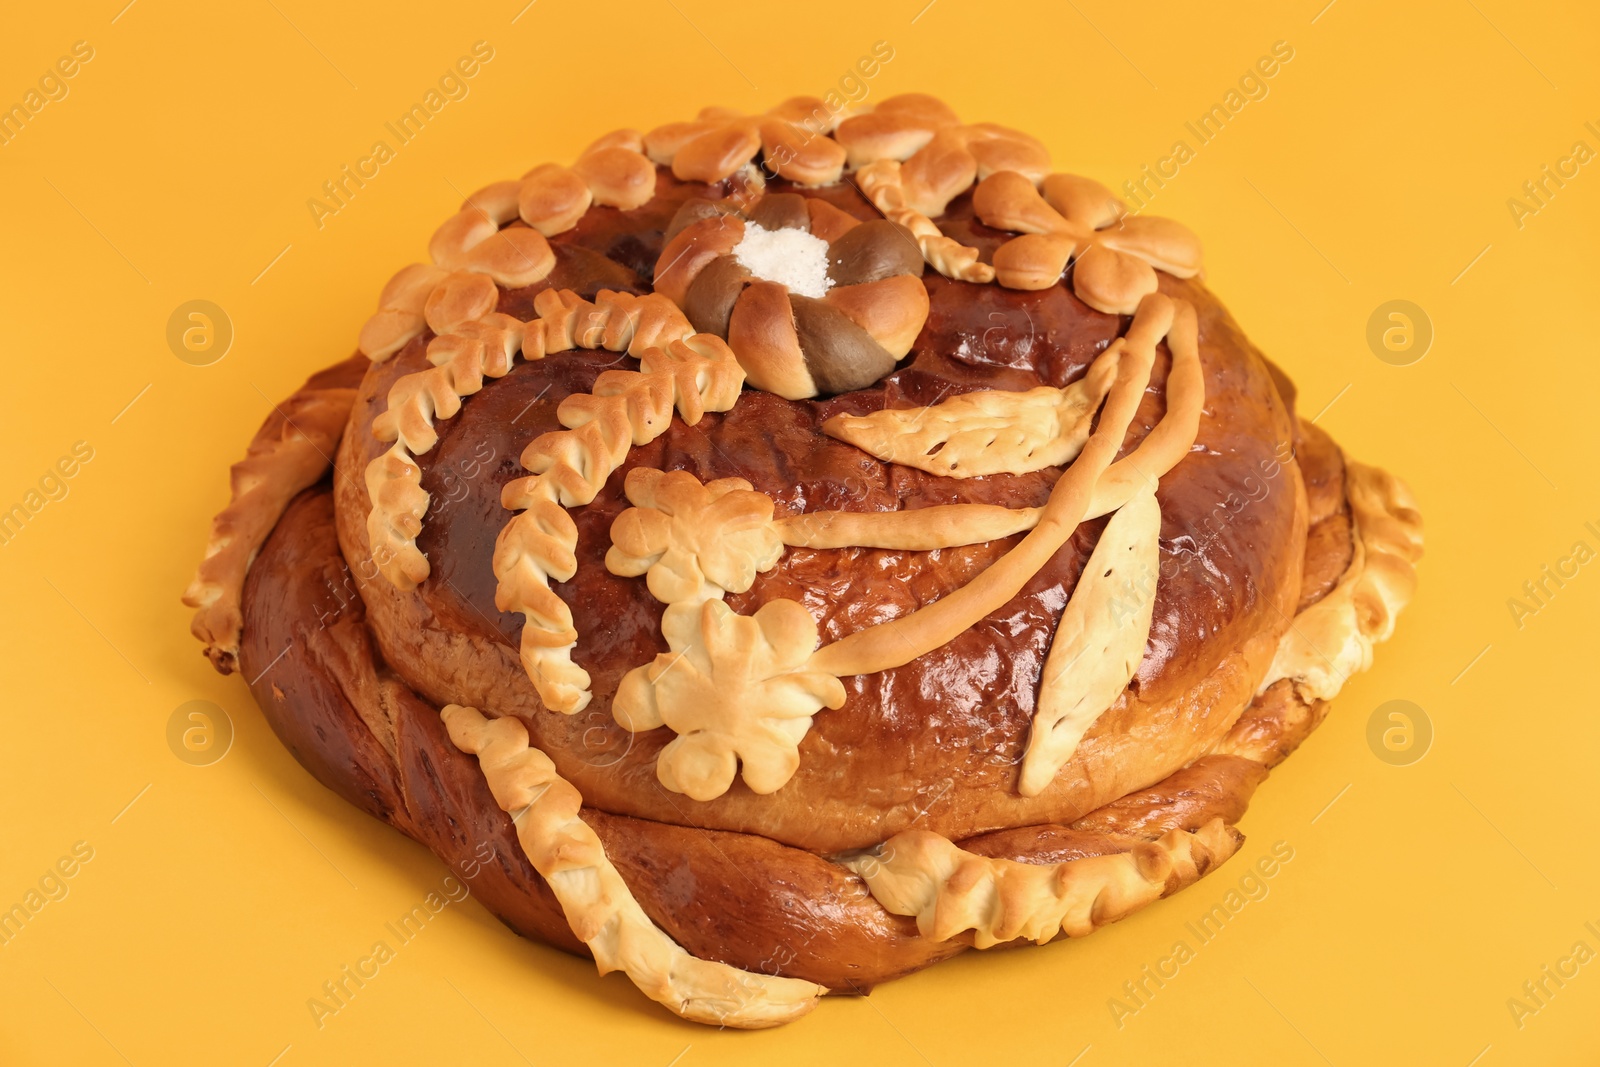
[[1099, 640], [626, 408], [1078, 218], [792, 138], [990, 431], [598, 904], [737, 690], [291, 452], [1333, 638], [951, 891], [692, 542]]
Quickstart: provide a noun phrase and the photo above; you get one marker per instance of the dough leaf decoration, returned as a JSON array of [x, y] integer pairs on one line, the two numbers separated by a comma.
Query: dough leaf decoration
[[1099, 640], [987, 432]]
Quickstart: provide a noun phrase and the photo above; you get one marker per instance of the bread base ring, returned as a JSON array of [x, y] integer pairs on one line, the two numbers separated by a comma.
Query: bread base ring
[[756, 905]]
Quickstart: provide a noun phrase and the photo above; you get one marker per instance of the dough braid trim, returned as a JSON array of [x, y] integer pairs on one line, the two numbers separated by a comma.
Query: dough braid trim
[[599, 906]]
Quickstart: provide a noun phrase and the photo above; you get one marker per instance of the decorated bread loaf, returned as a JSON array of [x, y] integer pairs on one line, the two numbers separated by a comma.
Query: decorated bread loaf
[[775, 553]]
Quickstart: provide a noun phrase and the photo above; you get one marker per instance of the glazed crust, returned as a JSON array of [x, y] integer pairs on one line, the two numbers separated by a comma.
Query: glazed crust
[[1216, 622], [735, 898], [291, 451], [1012, 731]]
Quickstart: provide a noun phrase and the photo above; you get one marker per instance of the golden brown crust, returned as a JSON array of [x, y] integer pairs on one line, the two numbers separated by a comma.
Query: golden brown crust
[[1212, 787], [293, 449], [1176, 738], [759, 905], [1200, 694]]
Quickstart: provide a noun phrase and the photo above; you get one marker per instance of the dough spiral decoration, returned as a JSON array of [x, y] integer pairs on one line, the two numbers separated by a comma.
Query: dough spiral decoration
[[475, 342], [627, 408]]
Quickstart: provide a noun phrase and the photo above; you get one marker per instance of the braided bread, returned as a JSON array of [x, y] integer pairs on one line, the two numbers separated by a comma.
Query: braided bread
[[775, 563]]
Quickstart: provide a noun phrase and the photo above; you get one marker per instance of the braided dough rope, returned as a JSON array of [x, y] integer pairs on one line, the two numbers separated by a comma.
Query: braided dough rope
[[474, 341], [461, 358], [291, 452], [599, 906], [1333, 638], [950, 890], [696, 373], [1117, 255], [881, 183]]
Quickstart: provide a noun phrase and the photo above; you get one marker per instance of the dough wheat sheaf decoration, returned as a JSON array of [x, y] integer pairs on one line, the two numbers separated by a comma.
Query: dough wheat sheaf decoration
[[910, 525]]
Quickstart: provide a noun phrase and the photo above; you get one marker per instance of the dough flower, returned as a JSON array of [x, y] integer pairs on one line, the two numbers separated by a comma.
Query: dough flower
[[735, 689], [693, 542]]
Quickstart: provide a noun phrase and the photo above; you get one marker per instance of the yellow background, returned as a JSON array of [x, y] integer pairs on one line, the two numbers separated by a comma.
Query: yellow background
[[1378, 168]]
